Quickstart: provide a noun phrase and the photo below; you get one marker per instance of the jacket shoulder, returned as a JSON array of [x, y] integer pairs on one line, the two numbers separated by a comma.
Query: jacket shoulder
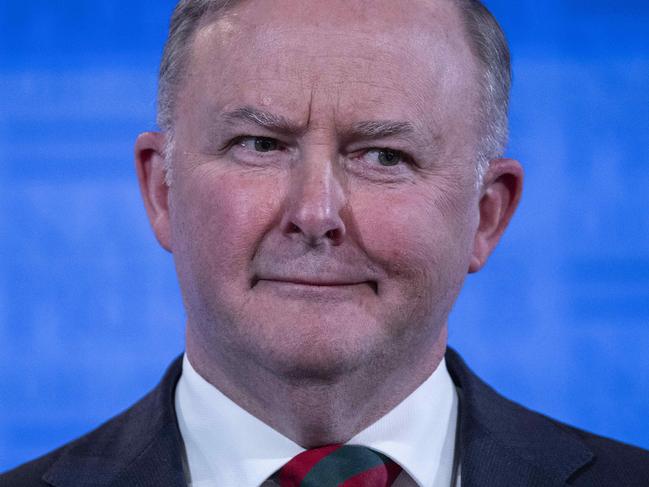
[[30, 474], [612, 461], [103, 440], [498, 433], [145, 432]]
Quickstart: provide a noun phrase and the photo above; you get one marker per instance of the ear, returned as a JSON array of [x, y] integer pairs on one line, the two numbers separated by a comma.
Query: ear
[[501, 192], [150, 167]]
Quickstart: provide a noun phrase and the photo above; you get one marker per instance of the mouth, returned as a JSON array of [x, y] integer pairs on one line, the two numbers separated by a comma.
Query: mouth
[[315, 283]]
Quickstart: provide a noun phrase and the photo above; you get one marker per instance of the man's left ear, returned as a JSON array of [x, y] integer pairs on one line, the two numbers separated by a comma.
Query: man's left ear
[[501, 191]]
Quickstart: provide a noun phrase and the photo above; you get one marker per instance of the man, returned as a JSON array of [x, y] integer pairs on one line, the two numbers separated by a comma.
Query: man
[[326, 175]]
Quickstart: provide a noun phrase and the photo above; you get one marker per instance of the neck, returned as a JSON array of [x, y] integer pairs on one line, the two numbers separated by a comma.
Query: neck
[[317, 411]]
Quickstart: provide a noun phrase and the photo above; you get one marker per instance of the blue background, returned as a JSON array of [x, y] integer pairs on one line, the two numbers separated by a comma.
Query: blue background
[[90, 312]]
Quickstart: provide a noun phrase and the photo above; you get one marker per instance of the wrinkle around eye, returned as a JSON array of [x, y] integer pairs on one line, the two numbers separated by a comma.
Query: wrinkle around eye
[[385, 160], [388, 157], [364, 168], [257, 143], [257, 150]]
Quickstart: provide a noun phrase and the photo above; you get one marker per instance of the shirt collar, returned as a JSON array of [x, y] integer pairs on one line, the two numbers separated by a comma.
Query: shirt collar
[[419, 433], [226, 445]]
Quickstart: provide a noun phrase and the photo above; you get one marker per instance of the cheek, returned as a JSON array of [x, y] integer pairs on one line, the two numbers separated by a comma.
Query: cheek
[[417, 240], [218, 221]]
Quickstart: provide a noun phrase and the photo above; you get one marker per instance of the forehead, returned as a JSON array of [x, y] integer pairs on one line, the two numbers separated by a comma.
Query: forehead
[[358, 59]]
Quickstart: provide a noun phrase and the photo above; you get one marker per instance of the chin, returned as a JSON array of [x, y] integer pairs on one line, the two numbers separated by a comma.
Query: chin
[[318, 348], [300, 370]]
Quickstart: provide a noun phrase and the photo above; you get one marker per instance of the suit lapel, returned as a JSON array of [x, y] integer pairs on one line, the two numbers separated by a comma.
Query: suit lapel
[[142, 447], [502, 443]]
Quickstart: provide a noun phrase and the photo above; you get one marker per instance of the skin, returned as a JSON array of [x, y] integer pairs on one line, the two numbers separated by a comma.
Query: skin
[[318, 278]]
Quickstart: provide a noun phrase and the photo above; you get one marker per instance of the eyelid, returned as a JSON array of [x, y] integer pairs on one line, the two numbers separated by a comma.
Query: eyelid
[[234, 141], [387, 149], [244, 137], [405, 156]]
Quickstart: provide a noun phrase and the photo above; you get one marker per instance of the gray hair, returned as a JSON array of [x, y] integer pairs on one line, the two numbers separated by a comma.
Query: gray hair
[[490, 47], [487, 42]]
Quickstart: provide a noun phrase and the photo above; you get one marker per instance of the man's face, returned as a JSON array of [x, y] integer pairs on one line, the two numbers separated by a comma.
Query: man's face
[[323, 205]]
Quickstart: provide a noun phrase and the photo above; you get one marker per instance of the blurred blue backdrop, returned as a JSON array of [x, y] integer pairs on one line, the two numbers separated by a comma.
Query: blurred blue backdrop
[[90, 312]]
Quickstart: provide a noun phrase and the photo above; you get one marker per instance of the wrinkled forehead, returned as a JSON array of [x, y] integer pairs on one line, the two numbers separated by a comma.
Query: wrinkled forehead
[[361, 57]]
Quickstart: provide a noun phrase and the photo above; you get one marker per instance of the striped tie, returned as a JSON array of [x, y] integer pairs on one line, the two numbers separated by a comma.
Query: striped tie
[[339, 466]]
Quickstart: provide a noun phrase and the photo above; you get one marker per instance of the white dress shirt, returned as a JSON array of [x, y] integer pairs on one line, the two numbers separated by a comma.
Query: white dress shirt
[[228, 447]]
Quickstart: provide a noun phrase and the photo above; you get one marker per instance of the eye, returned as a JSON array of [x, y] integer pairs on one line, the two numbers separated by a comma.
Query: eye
[[386, 157], [258, 144]]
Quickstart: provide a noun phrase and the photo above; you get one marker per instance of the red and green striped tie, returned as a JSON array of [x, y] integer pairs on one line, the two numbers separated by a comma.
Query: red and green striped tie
[[339, 466]]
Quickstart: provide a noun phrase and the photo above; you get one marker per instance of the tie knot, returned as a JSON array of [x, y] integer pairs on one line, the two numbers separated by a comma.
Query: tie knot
[[339, 466]]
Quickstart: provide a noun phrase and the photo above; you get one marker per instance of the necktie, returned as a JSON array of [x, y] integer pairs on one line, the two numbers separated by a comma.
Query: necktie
[[339, 466]]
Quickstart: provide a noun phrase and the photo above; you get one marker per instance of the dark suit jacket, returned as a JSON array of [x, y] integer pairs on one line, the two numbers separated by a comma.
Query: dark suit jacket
[[502, 444]]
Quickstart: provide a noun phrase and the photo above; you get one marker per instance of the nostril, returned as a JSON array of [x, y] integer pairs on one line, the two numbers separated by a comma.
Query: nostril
[[335, 235], [293, 228], [315, 230]]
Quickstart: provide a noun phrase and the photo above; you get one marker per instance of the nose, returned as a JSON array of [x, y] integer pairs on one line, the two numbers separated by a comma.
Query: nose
[[314, 207]]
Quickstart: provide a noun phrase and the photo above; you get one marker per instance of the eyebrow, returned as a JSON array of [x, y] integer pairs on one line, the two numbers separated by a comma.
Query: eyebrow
[[369, 129], [267, 120], [381, 128]]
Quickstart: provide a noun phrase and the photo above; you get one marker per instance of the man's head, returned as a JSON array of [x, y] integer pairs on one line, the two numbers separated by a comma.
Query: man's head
[[324, 208]]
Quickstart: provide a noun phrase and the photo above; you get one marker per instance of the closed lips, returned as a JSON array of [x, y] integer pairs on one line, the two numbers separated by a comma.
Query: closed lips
[[315, 282]]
